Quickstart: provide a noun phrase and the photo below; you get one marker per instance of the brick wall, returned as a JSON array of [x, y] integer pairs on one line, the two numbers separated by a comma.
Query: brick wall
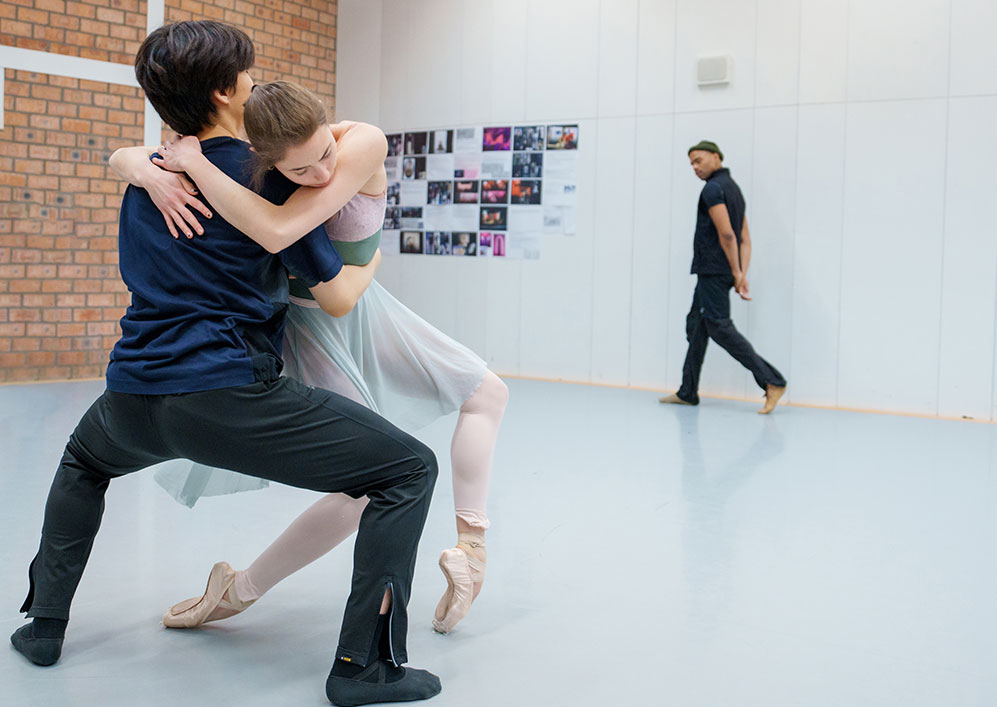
[[60, 293]]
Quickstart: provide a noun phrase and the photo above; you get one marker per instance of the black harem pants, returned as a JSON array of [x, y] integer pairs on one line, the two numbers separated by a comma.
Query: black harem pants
[[709, 318], [279, 430]]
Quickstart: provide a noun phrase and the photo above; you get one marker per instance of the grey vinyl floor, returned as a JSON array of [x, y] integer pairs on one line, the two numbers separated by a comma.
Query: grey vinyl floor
[[639, 555]]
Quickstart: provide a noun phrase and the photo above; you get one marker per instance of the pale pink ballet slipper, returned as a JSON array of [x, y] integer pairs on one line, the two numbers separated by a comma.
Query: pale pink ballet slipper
[[462, 570], [200, 610]]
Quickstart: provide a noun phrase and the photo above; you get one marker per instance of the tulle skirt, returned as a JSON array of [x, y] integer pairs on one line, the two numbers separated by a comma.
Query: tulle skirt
[[381, 355]]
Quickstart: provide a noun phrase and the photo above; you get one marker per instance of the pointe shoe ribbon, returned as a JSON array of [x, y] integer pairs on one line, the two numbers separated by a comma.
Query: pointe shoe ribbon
[[195, 611], [462, 570]]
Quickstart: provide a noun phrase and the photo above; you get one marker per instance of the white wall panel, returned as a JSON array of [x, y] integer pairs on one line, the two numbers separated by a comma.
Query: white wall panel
[[471, 303], [823, 50], [476, 64], [557, 312], [389, 274], [613, 251], [434, 95], [965, 384], [685, 190], [732, 131], [428, 288], [508, 55], [503, 310], [813, 369], [395, 81], [656, 57], [897, 49], [358, 69], [714, 27], [772, 220], [891, 258], [872, 287], [653, 271], [974, 52], [777, 61], [563, 58], [993, 416], [557, 289], [618, 58]]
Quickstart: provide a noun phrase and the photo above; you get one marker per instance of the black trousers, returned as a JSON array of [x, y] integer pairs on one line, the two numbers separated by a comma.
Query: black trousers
[[279, 430], [708, 319]]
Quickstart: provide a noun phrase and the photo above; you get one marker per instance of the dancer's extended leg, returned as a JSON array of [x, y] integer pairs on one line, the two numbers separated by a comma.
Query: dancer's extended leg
[[473, 448], [335, 517], [326, 523], [471, 454]]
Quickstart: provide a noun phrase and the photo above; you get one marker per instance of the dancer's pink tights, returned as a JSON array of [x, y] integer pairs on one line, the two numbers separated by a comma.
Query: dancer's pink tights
[[336, 516]]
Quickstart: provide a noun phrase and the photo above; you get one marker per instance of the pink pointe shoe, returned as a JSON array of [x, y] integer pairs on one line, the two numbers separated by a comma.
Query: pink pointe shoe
[[210, 606], [462, 570]]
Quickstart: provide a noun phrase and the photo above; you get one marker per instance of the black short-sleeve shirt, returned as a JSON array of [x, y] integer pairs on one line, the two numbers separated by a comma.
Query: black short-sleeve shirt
[[206, 312], [708, 257]]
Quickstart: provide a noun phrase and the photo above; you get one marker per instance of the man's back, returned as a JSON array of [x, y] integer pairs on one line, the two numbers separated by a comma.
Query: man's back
[[206, 313]]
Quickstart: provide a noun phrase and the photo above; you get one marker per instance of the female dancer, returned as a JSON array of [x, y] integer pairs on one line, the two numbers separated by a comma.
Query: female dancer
[[380, 354]]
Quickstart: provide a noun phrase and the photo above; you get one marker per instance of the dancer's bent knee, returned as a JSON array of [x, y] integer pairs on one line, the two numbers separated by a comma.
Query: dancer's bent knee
[[490, 398]]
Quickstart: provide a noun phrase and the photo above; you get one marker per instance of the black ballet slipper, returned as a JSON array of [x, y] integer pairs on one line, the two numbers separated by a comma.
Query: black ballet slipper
[[40, 651], [371, 685]]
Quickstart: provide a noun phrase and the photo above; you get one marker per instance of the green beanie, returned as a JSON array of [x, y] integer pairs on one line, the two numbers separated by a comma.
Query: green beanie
[[708, 146]]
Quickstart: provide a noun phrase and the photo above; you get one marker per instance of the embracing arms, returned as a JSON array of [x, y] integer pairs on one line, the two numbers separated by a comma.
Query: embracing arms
[[175, 197], [338, 296], [172, 193], [361, 151]]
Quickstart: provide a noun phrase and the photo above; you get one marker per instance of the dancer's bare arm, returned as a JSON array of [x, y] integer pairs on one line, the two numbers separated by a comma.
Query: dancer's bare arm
[[745, 253], [378, 180], [341, 128], [728, 241], [338, 296], [745, 247], [172, 193], [361, 152]]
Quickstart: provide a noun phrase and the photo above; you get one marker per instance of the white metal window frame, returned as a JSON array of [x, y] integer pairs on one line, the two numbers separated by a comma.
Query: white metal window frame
[[87, 69]]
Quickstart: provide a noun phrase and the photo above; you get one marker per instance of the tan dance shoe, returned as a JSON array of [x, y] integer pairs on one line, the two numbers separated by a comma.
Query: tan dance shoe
[[772, 395], [462, 570], [200, 610], [674, 399]]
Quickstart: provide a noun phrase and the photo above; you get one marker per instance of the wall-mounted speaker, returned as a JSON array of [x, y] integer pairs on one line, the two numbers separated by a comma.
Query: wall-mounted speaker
[[714, 70]]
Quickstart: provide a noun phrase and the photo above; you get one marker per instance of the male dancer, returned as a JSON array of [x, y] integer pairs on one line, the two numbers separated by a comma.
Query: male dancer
[[721, 254], [196, 375]]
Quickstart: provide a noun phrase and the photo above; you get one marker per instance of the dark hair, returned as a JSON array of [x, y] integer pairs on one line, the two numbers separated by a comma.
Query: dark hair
[[180, 66], [278, 116]]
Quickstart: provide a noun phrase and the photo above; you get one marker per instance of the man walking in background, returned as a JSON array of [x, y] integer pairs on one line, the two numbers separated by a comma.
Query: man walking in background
[[721, 254]]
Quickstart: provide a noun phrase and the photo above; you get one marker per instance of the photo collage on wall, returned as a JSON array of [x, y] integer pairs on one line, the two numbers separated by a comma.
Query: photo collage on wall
[[480, 191]]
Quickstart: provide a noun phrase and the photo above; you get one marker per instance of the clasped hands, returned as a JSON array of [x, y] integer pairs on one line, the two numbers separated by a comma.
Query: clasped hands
[[171, 191]]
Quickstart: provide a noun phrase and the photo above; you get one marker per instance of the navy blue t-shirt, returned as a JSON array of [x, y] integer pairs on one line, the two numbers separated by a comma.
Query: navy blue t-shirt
[[708, 258], [207, 312]]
